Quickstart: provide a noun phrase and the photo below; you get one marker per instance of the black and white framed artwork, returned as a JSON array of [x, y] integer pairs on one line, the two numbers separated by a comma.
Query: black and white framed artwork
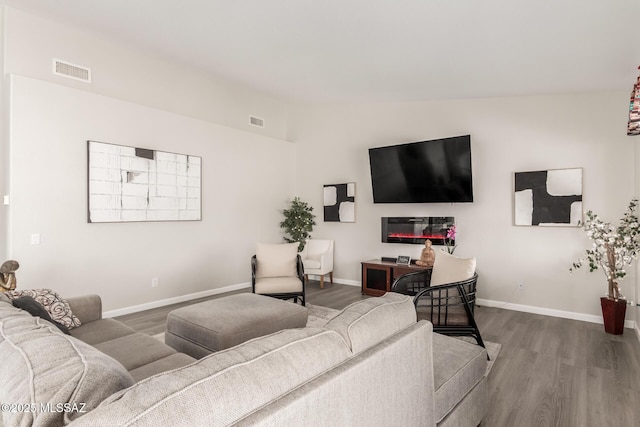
[[340, 202], [129, 184], [548, 198]]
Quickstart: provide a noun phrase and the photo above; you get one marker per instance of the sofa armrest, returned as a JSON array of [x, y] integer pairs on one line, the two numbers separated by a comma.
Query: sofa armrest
[[326, 261], [88, 308]]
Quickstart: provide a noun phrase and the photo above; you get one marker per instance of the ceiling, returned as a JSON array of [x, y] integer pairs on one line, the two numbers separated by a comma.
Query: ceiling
[[320, 51]]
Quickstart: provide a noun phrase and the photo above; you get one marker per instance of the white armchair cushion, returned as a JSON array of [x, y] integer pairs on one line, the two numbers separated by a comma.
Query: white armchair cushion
[[278, 285], [276, 260], [449, 269], [311, 263]]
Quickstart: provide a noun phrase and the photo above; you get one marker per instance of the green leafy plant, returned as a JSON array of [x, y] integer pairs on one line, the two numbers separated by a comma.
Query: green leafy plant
[[298, 222], [613, 247]]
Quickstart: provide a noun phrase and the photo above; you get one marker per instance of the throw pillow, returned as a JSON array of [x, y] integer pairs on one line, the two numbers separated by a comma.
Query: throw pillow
[[276, 260], [57, 307], [36, 309], [449, 269]]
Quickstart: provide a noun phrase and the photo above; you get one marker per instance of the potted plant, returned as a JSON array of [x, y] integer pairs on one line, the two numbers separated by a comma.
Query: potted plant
[[450, 238], [614, 247], [298, 222]]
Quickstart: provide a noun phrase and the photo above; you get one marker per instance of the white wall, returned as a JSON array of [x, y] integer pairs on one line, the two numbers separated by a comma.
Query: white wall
[[247, 180], [138, 99], [507, 135], [4, 147], [129, 74]]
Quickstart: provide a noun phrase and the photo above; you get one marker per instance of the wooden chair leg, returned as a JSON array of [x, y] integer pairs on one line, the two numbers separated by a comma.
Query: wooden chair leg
[[322, 282], [306, 279], [331, 276]]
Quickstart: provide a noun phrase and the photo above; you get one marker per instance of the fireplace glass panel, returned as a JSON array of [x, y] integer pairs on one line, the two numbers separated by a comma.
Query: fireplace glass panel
[[416, 230]]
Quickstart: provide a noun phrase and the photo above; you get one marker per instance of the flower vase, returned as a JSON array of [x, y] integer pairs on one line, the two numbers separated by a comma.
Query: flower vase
[[613, 313]]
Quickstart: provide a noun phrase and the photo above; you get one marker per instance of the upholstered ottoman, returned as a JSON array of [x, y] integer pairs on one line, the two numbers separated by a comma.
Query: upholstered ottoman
[[209, 326]]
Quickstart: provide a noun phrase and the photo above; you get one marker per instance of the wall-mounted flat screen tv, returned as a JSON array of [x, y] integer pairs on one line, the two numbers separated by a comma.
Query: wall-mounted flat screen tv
[[435, 171]]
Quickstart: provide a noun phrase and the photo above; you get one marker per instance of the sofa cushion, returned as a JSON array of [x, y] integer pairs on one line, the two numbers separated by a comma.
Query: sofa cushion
[[458, 366], [34, 308], [173, 361], [57, 307], [370, 321], [147, 350], [41, 365], [449, 269], [225, 386], [101, 331], [276, 260]]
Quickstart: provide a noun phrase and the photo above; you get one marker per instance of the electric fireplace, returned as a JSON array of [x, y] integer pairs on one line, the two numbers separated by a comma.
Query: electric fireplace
[[416, 230]]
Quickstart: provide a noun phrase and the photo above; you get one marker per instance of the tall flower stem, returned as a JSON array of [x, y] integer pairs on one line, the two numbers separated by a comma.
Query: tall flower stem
[[614, 290]]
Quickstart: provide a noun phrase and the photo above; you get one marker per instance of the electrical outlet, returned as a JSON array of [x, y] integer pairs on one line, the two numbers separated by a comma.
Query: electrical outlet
[[35, 239], [154, 282]]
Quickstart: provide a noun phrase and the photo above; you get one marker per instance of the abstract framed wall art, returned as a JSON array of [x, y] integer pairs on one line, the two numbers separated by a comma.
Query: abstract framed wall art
[[548, 198], [129, 184], [340, 202]]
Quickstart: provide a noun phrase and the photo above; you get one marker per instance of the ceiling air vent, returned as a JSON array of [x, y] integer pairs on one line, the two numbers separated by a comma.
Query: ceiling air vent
[[256, 121], [72, 71]]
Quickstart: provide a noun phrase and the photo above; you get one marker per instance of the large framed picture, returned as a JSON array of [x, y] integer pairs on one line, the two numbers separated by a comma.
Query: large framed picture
[[129, 184], [548, 198]]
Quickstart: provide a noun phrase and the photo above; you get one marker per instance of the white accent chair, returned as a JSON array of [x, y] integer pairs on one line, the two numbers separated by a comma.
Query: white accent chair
[[277, 271], [317, 258]]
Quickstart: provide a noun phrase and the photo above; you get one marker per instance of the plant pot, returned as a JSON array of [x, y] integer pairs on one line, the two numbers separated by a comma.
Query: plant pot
[[613, 315]]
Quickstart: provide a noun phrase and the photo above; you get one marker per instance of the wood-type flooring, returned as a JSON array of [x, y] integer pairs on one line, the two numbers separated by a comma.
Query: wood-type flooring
[[550, 371]]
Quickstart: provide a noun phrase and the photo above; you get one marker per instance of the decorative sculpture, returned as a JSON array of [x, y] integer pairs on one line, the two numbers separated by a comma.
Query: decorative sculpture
[[8, 275], [427, 257]]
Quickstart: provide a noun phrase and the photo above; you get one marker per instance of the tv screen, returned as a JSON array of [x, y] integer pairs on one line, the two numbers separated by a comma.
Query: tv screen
[[436, 171]]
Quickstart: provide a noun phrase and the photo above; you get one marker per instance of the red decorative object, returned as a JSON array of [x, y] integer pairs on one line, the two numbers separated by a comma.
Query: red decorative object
[[633, 128], [613, 313]]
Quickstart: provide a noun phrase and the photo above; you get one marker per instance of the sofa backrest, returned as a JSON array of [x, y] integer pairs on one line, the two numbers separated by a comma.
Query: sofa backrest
[[370, 321], [389, 384], [42, 366], [225, 386]]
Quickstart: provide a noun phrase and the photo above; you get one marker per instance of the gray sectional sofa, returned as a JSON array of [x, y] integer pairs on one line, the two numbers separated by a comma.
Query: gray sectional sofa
[[372, 364]]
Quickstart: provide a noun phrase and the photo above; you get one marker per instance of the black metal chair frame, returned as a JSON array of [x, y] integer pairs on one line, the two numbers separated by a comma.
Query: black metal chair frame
[[287, 295], [417, 284]]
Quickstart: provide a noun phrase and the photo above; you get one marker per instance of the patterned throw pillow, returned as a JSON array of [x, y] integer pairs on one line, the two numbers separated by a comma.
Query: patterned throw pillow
[[57, 307]]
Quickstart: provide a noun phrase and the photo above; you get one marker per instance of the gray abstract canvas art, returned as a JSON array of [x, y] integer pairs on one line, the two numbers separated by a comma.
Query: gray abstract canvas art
[[548, 198], [128, 184]]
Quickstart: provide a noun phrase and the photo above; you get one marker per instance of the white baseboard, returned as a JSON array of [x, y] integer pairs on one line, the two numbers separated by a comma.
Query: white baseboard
[[196, 295], [348, 282], [550, 312], [174, 300], [337, 280]]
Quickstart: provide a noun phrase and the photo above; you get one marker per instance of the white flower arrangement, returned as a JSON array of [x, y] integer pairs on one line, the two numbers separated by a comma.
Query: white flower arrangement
[[613, 247]]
